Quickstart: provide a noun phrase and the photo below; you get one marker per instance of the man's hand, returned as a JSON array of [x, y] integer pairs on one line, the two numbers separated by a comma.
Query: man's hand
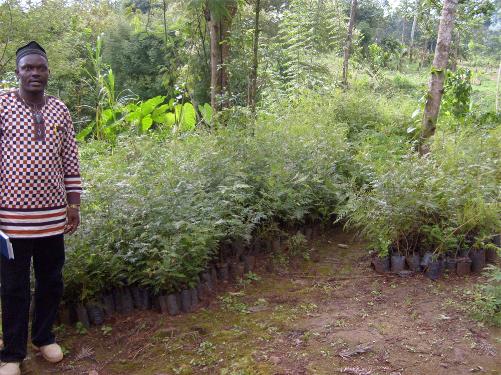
[[72, 220]]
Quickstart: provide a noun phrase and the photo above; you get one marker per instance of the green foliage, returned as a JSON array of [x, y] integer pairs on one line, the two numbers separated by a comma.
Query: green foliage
[[308, 29], [151, 50], [80, 328], [444, 203], [457, 93], [370, 20], [231, 302], [158, 208], [143, 62], [172, 117], [106, 330], [107, 104], [162, 194], [298, 246], [377, 57], [152, 114], [486, 299], [149, 112], [206, 113]]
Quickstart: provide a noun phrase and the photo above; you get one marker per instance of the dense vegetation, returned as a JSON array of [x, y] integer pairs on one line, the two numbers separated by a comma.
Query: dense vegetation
[[170, 179]]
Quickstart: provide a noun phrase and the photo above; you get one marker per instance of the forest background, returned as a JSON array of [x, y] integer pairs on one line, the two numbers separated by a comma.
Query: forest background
[[206, 122]]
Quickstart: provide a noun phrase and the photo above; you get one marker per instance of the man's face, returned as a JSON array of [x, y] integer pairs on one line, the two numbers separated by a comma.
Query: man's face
[[33, 73]]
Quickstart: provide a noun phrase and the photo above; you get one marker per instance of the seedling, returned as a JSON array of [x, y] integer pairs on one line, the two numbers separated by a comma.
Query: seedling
[[60, 329], [106, 330], [80, 328]]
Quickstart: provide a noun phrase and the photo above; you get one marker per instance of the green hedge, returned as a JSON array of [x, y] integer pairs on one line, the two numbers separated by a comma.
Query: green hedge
[[155, 212], [447, 202]]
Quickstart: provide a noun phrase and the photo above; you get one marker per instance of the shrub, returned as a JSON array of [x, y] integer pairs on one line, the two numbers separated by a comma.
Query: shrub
[[156, 211], [445, 202], [486, 302]]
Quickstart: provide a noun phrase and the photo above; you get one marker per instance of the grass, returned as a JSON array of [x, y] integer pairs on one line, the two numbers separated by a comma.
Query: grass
[[484, 93]]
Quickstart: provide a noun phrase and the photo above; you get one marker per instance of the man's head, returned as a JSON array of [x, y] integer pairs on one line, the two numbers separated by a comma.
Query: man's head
[[32, 68]]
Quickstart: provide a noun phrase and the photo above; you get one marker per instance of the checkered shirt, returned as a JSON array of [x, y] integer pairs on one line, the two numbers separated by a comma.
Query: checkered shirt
[[36, 175]]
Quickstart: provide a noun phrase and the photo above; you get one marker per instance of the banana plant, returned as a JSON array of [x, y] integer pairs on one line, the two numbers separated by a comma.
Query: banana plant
[[108, 104]]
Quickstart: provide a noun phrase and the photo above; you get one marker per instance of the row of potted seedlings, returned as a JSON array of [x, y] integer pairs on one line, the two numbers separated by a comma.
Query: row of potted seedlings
[[124, 300], [234, 261], [433, 266]]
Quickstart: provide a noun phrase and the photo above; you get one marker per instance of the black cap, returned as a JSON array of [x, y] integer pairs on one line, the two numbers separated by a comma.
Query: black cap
[[32, 48]]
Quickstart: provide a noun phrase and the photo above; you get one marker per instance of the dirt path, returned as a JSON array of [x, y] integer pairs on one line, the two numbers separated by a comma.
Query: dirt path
[[329, 315]]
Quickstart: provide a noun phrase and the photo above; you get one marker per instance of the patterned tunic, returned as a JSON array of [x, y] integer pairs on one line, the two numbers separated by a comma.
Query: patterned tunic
[[36, 174]]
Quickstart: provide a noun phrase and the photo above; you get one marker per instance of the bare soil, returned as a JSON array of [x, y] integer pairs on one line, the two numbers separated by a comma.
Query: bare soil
[[328, 315]]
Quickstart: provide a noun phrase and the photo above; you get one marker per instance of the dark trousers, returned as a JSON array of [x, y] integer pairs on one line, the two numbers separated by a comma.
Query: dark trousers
[[48, 260]]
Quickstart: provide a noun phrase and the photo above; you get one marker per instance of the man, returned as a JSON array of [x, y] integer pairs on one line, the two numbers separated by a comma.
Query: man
[[40, 199]]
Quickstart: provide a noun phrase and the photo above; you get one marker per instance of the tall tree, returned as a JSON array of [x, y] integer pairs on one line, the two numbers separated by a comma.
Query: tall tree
[[220, 16], [349, 37], [413, 30], [253, 73], [439, 66], [303, 37], [215, 59], [402, 37], [498, 110], [164, 7]]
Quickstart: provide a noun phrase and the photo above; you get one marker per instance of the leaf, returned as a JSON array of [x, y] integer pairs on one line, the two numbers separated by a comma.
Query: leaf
[[206, 112], [169, 119], [189, 117], [146, 123], [158, 114], [148, 106], [107, 115], [416, 113], [410, 129], [131, 107], [172, 101], [133, 116], [110, 132], [82, 134]]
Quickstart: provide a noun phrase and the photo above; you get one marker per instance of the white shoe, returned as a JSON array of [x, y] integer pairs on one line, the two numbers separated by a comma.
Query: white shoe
[[10, 368], [52, 353]]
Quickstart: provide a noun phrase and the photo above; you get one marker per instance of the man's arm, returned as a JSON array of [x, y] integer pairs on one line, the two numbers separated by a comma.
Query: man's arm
[[72, 180]]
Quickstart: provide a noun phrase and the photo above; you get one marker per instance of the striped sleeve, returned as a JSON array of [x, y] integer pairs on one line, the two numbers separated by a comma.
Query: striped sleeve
[[71, 165]]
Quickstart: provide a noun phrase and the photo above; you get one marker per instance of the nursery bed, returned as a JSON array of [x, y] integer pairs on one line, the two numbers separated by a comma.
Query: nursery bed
[[321, 316]]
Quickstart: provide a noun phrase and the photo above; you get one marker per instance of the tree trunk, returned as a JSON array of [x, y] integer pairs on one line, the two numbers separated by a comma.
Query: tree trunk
[[413, 30], [347, 46], [402, 38], [148, 19], [215, 62], [225, 28], [219, 28], [253, 74], [164, 6], [439, 66], [498, 109]]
